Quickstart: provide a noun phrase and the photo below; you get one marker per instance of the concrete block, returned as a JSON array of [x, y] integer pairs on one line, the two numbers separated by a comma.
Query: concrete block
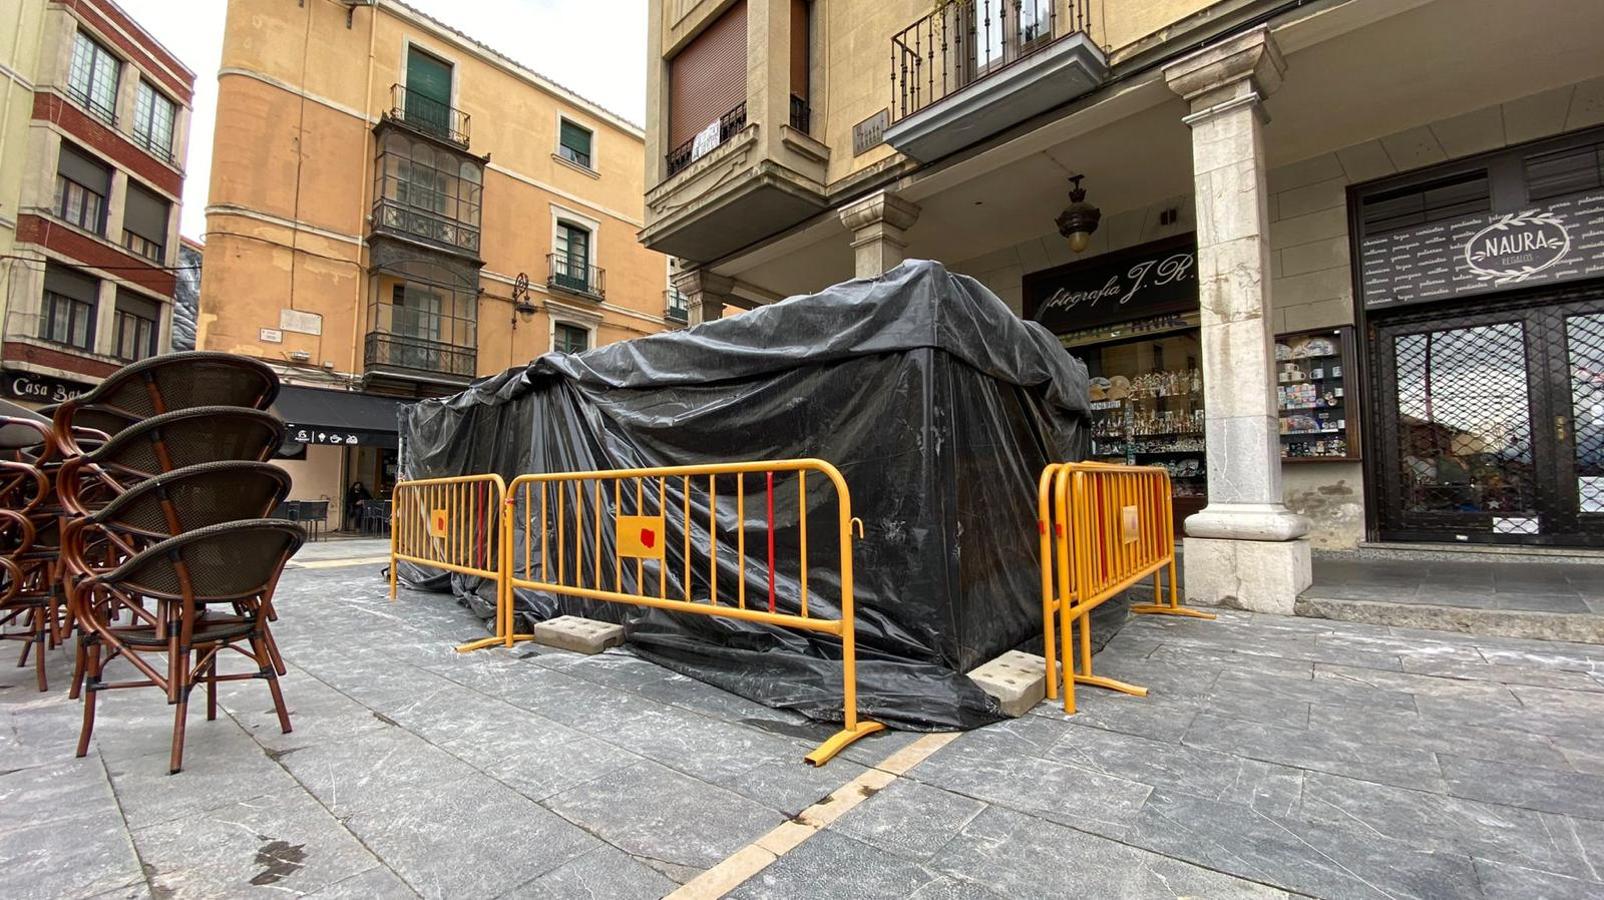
[[1018, 681], [577, 634]]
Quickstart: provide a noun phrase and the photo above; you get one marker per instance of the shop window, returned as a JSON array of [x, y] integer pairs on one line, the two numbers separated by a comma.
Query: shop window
[[137, 321], [67, 314], [1566, 171], [1454, 197], [92, 80], [570, 339], [574, 144], [145, 218], [153, 120], [82, 184]]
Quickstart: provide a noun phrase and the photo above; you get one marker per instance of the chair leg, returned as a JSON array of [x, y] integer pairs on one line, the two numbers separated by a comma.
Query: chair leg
[[39, 655], [180, 712], [91, 697], [265, 663], [211, 690], [80, 648]]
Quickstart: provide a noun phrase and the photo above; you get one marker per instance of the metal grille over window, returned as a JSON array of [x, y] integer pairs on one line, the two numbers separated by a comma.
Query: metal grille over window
[[575, 144], [1466, 427], [1584, 336], [92, 80]]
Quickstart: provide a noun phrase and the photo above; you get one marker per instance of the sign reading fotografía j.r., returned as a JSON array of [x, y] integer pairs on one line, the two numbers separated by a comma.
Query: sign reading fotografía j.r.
[[1153, 279]]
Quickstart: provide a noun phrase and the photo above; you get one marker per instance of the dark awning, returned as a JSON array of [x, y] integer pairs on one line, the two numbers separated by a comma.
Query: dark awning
[[315, 416]]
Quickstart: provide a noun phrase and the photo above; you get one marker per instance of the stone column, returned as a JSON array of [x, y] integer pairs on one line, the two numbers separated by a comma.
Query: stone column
[[1245, 548], [878, 224], [706, 294]]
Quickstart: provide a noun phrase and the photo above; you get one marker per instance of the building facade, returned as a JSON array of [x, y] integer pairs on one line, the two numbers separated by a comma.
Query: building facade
[[397, 209], [1347, 282], [93, 129]]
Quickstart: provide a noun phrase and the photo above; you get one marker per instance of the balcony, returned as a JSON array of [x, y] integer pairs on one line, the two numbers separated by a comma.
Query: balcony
[[425, 358], [565, 273], [429, 116], [405, 220], [972, 68], [801, 114], [696, 148], [676, 308]]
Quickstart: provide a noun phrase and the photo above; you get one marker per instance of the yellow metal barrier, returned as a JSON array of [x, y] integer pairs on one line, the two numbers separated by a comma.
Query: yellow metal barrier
[[606, 535], [1103, 528], [461, 525]]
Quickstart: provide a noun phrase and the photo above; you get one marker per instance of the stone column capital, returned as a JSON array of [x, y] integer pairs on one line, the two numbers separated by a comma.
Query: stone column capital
[[1245, 68], [697, 281], [880, 208]]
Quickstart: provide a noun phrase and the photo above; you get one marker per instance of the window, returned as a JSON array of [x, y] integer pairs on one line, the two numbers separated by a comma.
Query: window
[[428, 105], [153, 121], [92, 81], [145, 217], [67, 315], [574, 144], [1567, 171], [422, 314], [1448, 198], [570, 339], [707, 79], [428, 192], [137, 318], [570, 265], [82, 184]]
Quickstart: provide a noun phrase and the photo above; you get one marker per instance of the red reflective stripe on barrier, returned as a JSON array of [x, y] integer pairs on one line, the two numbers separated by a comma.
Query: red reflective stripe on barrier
[[771, 539]]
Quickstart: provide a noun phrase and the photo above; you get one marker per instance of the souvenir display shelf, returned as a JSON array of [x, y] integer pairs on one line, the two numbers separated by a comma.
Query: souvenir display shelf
[[1316, 398]]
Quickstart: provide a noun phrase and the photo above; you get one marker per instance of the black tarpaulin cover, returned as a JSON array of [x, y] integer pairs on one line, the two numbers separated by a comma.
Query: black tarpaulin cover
[[937, 403]]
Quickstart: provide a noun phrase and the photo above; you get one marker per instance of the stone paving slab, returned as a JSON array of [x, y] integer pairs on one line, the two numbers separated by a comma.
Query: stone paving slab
[[1273, 756]]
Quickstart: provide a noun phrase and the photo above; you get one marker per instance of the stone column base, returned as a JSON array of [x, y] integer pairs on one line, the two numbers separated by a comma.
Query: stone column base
[[1262, 576]]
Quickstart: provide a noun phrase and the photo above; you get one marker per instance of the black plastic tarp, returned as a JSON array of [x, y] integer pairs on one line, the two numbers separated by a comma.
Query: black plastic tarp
[[937, 403]]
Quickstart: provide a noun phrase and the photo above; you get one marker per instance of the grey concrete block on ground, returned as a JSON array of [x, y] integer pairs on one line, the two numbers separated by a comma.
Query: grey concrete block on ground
[[1017, 680], [579, 635]]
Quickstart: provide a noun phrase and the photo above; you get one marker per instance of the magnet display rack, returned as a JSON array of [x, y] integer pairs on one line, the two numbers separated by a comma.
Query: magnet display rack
[[1317, 398]]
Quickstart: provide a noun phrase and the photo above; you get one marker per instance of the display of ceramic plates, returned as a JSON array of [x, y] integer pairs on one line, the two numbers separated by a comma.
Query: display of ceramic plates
[[1119, 387], [1318, 346], [1282, 352]]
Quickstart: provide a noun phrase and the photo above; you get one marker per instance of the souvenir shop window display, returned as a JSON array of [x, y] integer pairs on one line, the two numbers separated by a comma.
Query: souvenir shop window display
[[1147, 409], [1315, 395]]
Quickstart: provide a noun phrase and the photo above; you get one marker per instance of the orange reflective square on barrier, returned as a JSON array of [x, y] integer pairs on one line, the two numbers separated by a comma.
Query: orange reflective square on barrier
[[1131, 525], [640, 536], [438, 523]]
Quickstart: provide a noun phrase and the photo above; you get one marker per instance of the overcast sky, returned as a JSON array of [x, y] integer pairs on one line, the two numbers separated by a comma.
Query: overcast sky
[[596, 48]]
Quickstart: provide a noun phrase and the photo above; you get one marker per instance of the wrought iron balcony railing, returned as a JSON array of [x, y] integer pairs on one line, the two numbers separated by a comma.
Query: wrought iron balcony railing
[[687, 153], [962, 42], [571, 274], [676, 308], [398, 351], [411, 221], [801, 115], [429, 115]]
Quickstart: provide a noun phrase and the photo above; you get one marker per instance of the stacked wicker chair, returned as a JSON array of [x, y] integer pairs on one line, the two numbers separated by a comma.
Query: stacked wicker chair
[[158, 484]]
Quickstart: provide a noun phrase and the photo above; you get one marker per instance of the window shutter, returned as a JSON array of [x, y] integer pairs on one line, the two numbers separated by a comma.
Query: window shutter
[[800, 44], [145, 214], [708, 78], [84, 169], [576, 139], [69, 283], [133, 304], [428, 77]]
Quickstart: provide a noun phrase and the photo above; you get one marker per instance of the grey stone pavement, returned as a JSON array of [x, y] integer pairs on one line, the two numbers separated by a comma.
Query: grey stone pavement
[[1550, 587], [1274, 757]]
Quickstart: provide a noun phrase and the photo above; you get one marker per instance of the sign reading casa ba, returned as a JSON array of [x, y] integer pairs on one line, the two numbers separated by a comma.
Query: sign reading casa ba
[[41, 389]]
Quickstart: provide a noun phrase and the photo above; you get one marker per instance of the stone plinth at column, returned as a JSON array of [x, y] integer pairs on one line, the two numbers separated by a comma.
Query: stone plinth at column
[[878, 224], [1245, 548], [706, 294]]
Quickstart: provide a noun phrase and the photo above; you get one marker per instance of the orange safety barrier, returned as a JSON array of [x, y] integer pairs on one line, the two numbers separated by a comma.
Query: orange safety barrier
[[1103, 528], [459, 525], [613, 536]]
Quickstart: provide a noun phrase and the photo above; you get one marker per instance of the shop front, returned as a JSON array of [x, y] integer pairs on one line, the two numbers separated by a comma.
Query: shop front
[[1482, 285], [335, 440]]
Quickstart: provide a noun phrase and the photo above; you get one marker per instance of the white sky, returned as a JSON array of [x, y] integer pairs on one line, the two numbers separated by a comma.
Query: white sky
[[596, 48]]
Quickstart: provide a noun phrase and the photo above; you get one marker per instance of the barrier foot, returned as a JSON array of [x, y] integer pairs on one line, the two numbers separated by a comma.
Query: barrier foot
[[1111, 684], [1154, 609], [839, 741], [482, 643]]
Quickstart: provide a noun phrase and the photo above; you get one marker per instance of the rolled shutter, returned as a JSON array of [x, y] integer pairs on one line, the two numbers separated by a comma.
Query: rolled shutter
[[800, 42], [145, 214], [708, 78], [84, 169], [71, 283]]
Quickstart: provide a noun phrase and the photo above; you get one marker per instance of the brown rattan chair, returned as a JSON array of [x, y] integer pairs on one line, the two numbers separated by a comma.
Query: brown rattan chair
[[162, 444], [165, 506], [234, 565], [164, 384]]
